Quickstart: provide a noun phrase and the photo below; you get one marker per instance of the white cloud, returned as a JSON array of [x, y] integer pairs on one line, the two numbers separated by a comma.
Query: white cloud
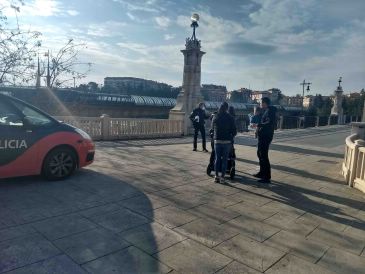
[[73, 12], [162, 21], [106, 29], [148, 6], [168, 37], [135, 18], [39, 8]]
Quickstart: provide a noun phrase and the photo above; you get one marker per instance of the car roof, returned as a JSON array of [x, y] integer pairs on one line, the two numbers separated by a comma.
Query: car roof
[[11, 98]]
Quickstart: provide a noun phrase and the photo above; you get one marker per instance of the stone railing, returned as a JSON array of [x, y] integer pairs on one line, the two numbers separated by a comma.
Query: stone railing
[[353, 166], [106, 128]]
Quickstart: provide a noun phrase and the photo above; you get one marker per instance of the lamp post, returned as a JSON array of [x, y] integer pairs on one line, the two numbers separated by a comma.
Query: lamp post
[[304, 84], [194, 24], [48, 77]]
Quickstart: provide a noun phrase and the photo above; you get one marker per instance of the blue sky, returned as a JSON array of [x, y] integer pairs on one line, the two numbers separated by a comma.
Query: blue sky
[[249, 43]]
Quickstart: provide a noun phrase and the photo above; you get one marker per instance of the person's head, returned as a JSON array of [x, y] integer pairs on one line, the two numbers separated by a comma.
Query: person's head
[[232, 111], [201, 106], [223, 108], [265, 102]]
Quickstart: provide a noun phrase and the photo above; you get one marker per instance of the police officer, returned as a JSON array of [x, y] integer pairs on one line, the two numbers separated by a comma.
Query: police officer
[[198, 117], [265, 134]]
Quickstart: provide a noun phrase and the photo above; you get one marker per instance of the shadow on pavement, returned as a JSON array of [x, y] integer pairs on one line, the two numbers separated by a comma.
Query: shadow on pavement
[[305, 151], [57, 215], [322, 205], [295, 171]]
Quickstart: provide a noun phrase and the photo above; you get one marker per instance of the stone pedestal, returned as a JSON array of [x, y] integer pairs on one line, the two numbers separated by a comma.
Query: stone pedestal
[[190, 95], [359, 129]]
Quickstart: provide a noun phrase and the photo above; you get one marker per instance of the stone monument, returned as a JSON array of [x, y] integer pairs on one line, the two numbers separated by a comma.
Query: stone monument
[[337, 109], [190, 95]]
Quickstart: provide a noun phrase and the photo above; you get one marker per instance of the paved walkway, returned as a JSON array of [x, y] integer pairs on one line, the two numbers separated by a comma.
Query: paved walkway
[[145, 207]]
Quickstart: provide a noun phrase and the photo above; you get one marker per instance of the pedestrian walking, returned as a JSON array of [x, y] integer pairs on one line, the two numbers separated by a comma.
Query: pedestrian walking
[[198, 117], [265, 134], [224, 130]]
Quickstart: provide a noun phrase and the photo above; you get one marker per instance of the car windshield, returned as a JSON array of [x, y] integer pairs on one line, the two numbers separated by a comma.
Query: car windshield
[[32, 116]]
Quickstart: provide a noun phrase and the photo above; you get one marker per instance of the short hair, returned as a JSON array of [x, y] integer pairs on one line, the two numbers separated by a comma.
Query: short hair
[[201, 104], [266, 100]]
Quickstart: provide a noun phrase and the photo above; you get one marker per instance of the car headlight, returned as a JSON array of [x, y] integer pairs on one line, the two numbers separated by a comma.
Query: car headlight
[[83, 134]]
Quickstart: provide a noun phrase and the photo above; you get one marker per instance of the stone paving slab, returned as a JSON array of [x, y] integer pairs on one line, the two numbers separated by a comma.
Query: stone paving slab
[[90, 245], [24, 251], [191, 257], [298, 246], [253, 229], [60, 264], [291, 264], [120, 220], [153, 209], [214, 213], [249, 252], [206, 232], [129, 260], [340, 261], [16, 232], [172, 216], [152, 238], [344, 241], [58, 227], [236, 267]]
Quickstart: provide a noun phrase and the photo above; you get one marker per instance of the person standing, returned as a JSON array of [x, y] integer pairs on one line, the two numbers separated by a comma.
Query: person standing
[[265, 134], [198, 117], [224, 129]]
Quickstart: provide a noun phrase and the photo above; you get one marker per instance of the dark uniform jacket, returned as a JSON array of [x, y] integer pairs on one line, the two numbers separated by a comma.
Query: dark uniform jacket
[[198, 117], [266, 127], [224, 127]]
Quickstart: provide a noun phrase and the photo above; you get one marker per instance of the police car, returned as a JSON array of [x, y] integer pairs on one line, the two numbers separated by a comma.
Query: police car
[[34, 143]]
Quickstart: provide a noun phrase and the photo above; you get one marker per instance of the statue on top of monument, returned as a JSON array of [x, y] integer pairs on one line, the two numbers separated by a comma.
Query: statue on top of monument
[[193, 42]]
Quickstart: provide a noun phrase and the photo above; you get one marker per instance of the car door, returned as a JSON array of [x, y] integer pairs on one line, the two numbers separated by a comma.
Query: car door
[[15, 142]]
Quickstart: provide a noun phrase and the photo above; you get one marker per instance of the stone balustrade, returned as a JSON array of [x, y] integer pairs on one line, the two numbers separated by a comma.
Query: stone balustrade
[[106, 128], [353, 167]]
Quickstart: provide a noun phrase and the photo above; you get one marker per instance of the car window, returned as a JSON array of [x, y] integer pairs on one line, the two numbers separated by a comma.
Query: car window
[[32, 116], [8, 116]]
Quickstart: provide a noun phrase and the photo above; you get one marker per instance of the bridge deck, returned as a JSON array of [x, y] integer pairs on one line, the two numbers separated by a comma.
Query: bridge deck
[[148, 206]]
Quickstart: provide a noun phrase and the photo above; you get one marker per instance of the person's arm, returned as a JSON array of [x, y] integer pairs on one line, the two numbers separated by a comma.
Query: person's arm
[[234, 128], [192, 115]]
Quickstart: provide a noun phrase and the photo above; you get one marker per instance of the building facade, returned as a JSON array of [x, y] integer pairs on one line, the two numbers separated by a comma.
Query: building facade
[[124, 84], [214, 93]]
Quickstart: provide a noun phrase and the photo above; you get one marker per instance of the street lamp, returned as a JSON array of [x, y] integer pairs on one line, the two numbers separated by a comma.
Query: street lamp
[[194, 24], [304, 84]]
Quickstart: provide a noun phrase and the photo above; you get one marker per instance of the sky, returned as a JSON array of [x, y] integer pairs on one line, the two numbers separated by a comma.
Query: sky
[[257, 44]]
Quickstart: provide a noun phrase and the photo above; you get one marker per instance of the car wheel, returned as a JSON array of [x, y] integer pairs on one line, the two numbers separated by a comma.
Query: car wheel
[[59, 164]]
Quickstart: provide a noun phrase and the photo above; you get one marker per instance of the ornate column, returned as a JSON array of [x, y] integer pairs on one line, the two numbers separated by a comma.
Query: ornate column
[[190, 95], [337, 109]]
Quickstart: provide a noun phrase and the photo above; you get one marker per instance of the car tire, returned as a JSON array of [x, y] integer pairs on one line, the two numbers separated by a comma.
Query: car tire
[[59, 164]]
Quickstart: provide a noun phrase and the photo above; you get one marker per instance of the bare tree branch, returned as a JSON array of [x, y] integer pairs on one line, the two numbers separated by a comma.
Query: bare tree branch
[[65, 64], [18, 48]]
